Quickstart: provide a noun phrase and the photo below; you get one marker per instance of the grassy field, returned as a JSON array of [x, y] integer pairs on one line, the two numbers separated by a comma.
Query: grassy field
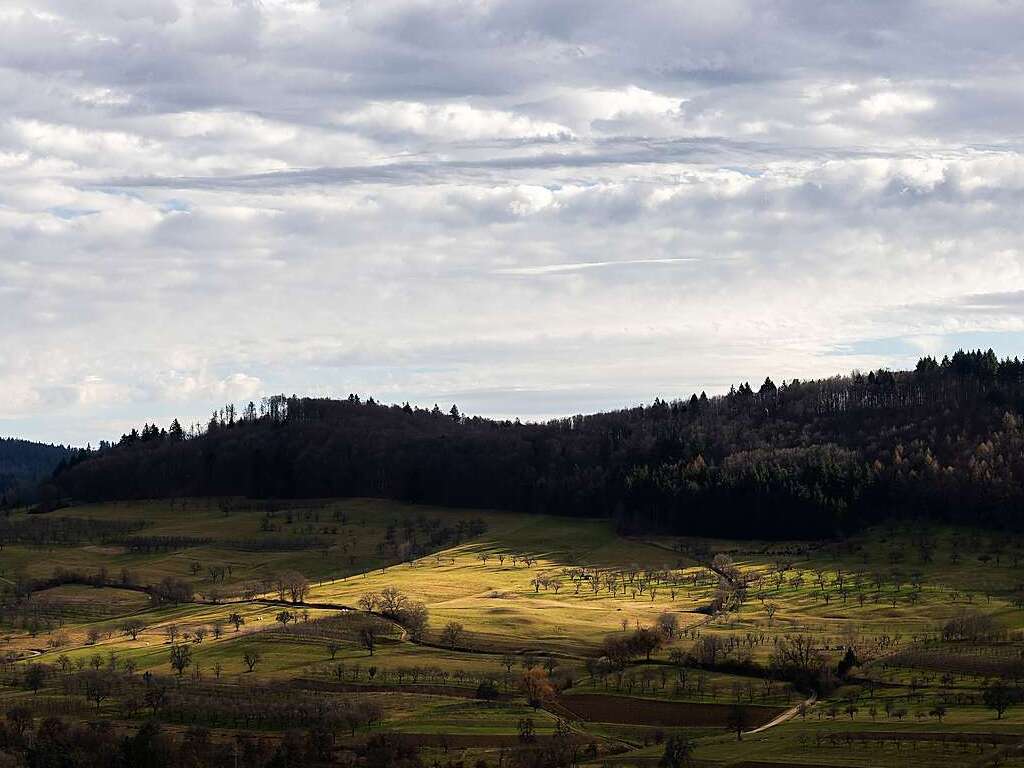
[[506, 593]]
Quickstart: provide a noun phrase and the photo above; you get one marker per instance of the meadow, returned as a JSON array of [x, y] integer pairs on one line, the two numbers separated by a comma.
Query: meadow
[[886, 648]]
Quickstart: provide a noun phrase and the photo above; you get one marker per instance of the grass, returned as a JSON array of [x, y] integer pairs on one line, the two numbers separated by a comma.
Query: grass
[[908, 590]]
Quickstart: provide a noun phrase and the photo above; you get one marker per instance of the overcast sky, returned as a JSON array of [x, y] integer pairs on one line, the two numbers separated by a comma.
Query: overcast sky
[[529, 208]]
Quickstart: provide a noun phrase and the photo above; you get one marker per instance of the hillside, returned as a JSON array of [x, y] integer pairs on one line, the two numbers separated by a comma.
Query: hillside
[[800, 459], [455, 633], [23, 464]]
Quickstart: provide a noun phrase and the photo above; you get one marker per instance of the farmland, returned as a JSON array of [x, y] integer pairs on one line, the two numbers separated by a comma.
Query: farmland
[[494, 637]]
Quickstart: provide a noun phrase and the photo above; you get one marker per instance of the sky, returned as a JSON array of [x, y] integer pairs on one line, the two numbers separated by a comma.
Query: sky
[[528, 208]]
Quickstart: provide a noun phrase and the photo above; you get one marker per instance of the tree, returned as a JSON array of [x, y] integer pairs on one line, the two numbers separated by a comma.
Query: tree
[[737, 720], [133, 628], [618, 650], [98, 686], [333, 646], [647, 641], [368, 636], [536, 687], [668, 623], [997, 696], [284, 617], [487, 689], [19, 718], [251, 659], [527, 731], [173, 590], [368, 602], [294, 584], [414, 618], [237, 619], [799, 654], [708, 648], [181, 658], [678, 752], [452, 633], [391, 601], [172, 631], [848, 662], [35, 676]]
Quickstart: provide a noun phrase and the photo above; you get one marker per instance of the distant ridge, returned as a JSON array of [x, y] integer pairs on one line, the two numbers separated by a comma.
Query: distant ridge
[[23, 464]]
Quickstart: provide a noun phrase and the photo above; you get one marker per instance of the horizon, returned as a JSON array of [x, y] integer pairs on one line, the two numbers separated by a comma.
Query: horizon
[[522, 210], [718, 391]]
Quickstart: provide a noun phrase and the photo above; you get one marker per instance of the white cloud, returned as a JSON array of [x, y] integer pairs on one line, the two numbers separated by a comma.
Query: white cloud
[[449, 121], [888, 103], [191, 385], [631, 101]]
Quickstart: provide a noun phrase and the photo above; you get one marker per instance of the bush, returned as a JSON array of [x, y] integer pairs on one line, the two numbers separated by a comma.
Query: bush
[[487, 690]]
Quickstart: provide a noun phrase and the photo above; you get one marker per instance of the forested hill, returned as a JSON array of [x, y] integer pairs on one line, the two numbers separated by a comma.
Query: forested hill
[[798, 459], [23, 464]]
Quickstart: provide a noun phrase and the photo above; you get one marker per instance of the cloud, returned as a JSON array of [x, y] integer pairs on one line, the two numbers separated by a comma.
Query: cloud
[[448, 121], [210, 201], [887, 103], [576, 266]]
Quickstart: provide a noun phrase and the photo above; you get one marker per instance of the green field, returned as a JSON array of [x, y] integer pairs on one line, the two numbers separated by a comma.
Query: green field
[[508, 593]]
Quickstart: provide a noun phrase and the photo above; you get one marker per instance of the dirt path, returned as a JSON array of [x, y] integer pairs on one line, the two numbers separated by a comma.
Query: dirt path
[[789, 714]]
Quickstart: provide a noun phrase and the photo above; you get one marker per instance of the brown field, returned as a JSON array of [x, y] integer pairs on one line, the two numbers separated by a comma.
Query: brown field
[[312, 684], [625, 710], [479, 740]]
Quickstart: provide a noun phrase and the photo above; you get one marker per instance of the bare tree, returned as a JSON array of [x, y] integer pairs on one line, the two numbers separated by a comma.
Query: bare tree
[[452, 633], [368, 636], [181, 658], [133, 628], [668, 623]]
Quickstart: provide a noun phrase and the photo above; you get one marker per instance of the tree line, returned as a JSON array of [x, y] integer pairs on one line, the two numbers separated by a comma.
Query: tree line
[[798, 459]]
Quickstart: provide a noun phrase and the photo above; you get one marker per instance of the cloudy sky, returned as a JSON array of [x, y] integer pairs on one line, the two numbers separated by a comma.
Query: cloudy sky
[[529, 208]]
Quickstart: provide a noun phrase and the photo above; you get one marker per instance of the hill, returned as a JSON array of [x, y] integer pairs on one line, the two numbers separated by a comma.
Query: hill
[[798, 459], [23, 464]]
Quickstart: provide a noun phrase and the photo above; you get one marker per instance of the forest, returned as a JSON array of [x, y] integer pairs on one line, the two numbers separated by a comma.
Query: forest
[[23, 464], [801, 459]]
